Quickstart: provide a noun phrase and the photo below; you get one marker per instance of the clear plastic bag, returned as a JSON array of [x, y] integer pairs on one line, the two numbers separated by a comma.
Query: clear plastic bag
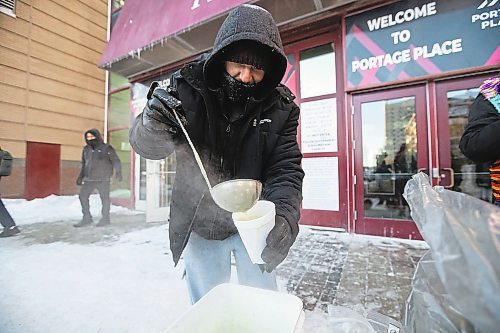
[[456, 285], [342, 319], [345, 320]]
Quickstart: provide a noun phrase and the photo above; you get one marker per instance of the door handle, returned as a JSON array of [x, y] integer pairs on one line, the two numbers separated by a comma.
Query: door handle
[[424, 170], [452, 177]]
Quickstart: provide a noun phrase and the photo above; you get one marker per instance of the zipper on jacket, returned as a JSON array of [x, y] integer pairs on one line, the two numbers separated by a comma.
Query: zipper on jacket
[[228, 128]]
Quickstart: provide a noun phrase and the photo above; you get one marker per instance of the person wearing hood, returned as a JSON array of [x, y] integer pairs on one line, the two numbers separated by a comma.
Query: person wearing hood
[[98, 162], [480, 141], [243, 123]]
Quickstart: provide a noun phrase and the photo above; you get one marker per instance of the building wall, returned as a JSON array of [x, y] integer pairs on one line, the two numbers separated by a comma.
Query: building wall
[[52, 89]]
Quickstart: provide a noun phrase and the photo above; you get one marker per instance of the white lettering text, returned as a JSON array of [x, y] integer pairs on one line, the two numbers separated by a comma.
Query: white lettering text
[[402, 16], [407, 55], [400, 36]]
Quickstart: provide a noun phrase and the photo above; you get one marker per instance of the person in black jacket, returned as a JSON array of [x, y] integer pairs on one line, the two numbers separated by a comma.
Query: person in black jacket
[[480, 141], [98, 161], [243, 123]]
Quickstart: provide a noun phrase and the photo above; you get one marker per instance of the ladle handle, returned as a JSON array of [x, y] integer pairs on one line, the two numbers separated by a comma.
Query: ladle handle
[[196, 156]]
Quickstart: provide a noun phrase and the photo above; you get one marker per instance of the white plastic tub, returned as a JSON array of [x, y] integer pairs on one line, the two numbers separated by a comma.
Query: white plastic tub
[[232, 308]]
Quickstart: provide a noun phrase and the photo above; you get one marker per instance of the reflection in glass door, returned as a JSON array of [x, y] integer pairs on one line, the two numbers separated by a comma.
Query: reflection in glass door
[[389, 155], [457, 172], [390, 146]]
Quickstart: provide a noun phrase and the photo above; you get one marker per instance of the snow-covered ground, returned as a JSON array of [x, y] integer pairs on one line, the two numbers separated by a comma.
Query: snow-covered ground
[[127, 284], [55, 208]]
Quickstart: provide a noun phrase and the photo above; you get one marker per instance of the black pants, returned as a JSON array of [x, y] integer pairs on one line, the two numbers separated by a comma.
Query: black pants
[[5, 218], [86, 190]]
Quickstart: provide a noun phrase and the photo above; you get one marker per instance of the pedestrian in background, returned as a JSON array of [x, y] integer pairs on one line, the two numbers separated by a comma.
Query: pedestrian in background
[[243, 123], [8, 224], [480, 141], [98, 162]]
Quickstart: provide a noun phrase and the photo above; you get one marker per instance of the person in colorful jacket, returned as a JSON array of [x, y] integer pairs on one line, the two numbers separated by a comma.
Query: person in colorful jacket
[[480, 141]]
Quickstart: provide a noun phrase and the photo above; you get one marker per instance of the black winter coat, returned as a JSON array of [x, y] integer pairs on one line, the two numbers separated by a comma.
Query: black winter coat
[[481, 138], [99, 161], [261, 145]]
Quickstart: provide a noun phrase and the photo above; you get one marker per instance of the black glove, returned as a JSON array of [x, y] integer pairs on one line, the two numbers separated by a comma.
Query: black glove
[[118, 176], [159, 114], [79, 180], [278, 242]]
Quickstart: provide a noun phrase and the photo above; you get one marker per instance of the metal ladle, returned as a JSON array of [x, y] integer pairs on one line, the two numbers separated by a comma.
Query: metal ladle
[[237, 195]]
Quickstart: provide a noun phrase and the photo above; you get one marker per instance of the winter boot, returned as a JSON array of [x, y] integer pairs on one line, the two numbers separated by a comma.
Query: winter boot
[[8, 232], [86, 220], [103, 222]]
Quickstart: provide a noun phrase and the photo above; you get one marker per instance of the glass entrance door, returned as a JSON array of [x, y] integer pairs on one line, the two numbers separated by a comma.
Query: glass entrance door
[[457, 172], [153, 187], [390, 145], [140, 183], [159, 182], [314, 75]]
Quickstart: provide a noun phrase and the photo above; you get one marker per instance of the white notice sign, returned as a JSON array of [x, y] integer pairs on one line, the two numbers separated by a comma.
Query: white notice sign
[[318, 126], [320, 189]]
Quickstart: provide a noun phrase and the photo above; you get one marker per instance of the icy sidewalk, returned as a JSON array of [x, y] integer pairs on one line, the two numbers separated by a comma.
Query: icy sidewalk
[[55, 208], [56, 278], [372, 273]]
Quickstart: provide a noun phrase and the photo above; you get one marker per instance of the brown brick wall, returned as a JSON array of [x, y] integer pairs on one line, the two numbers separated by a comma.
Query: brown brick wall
[[13, 186], [69, 173], [51, 90]]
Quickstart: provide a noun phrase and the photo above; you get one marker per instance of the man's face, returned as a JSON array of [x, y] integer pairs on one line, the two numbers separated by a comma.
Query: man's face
[[244, 73], [90, 136]]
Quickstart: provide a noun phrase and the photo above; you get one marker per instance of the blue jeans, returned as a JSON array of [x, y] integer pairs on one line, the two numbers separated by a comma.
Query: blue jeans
[[208, 264]]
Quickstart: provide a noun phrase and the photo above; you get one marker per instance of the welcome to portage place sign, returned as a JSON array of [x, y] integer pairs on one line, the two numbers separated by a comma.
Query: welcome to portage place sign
[[418, 38]]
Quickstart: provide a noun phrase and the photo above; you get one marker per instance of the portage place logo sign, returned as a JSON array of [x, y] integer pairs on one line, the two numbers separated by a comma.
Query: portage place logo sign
[[490, 17], [487, 4]]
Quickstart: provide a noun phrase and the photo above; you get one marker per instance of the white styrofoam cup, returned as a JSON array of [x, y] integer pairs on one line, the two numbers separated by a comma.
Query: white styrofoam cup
[[253, 226]]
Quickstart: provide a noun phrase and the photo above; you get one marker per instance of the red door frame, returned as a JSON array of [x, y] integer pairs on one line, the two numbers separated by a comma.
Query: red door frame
[[443, 133], [43, 169], [377, 226], [334, 219]]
